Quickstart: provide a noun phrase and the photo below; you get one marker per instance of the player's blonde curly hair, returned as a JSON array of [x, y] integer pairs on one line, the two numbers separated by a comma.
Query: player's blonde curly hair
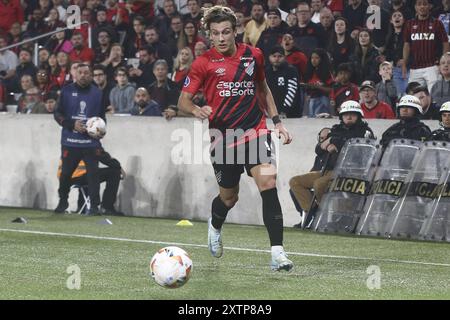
[[218, 14]]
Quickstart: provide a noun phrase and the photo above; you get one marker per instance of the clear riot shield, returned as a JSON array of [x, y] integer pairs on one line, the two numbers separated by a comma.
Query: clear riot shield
[[342, 205], [387, 186], [437, 223], [421, 191]]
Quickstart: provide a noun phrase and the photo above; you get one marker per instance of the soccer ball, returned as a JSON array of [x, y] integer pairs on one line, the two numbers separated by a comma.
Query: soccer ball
[[171, 267], [96, 127]]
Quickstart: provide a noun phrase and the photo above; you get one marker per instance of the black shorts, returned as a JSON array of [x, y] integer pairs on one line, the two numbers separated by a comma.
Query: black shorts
[[229, 165]]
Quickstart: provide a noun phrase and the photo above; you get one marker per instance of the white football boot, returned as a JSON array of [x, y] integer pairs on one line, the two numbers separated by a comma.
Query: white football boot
[[214, 240], [280, 261]]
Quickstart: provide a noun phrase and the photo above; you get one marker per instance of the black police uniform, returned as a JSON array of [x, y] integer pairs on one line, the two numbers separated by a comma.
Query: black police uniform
[[340, 133], [441, 134], [408, 128]]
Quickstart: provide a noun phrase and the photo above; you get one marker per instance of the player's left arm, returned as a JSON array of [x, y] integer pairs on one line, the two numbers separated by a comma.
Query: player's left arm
[[268, 103]]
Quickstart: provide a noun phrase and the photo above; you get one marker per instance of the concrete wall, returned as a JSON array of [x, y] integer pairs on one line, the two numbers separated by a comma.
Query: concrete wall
[[158, 182]]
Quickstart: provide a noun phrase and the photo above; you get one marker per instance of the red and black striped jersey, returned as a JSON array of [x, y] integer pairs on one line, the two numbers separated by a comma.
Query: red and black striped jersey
[[425, 38], [229, 86]]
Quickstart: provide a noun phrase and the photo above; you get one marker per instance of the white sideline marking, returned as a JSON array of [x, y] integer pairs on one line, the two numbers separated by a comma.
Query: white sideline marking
[[227, 248]]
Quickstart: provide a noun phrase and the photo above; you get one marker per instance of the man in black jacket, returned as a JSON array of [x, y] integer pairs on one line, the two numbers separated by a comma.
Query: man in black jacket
[[409, 111], [282, 79], [430, 111], [273, 34], [100, 79], [143, 75]]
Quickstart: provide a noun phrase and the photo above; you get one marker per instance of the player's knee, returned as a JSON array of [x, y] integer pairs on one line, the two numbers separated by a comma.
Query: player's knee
[[231, 201]]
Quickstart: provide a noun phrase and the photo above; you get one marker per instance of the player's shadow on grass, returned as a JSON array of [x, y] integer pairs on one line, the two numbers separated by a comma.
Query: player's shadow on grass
[[32, 193]]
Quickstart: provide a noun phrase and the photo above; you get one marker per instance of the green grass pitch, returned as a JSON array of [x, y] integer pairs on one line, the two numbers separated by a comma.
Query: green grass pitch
[[113, 261]]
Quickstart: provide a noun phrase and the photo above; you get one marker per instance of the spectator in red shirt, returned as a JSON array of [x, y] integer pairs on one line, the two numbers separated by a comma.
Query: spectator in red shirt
[[336, 6], [60, 75], [80, 52], [117, 14], [372, 108], [10, 11], [142, 8]]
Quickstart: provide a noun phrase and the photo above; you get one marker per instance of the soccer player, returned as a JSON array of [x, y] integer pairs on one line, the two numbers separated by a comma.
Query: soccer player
[[237, 95]]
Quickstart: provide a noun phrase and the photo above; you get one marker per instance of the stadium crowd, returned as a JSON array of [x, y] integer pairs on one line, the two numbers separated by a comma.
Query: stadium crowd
[[319, 53]]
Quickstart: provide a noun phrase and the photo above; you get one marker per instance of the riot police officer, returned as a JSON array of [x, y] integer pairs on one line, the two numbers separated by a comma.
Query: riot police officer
[[409, 112], [443, 133], [350, 126]]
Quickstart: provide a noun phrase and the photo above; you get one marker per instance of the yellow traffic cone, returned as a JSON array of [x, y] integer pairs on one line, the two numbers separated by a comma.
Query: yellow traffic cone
[[184, 223]]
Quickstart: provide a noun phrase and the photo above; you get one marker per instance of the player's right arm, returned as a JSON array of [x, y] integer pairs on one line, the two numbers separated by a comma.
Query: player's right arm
[[186, 105], [193, 82]]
